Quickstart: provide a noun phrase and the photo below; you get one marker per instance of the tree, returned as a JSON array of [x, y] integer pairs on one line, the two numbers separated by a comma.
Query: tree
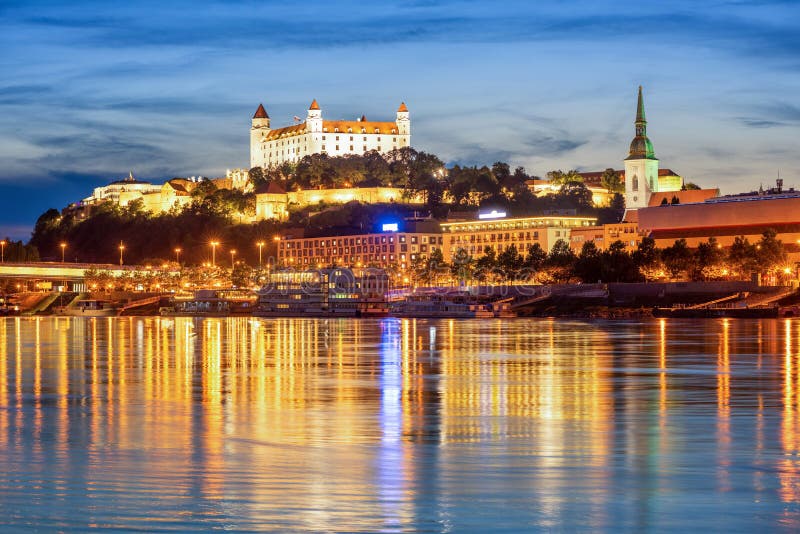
[[535, 258], [770, 254], [742, 256], [677, 258], [708, 258], [486, 266], [588, 265], [560, 262], [689, 186], [510, 263], [647, 258], [610, 179], [462, 266], [618, 265], [560, 177], [256, 176]]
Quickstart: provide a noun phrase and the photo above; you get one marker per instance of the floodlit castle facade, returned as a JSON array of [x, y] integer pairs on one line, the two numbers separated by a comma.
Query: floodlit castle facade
[[270, 147]]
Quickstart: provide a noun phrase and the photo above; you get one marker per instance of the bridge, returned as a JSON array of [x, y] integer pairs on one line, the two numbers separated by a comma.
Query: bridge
[[60, 272]]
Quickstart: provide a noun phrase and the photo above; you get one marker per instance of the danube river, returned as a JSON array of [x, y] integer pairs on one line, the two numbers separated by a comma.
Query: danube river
[[399, 425]]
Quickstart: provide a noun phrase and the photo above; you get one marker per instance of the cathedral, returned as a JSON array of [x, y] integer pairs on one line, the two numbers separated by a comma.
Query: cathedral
[[642, 177], [270, 147]]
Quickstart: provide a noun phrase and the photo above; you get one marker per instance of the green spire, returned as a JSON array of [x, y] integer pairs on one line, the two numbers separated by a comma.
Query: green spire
[[640, 108], [641, 147]]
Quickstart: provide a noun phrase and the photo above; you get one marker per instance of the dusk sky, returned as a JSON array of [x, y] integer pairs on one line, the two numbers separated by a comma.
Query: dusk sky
[[92, 90]]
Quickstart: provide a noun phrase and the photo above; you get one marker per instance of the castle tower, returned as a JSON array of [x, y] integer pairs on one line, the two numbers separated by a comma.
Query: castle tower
[[403, 120], [314, 118], [258, 132], [641, 165]]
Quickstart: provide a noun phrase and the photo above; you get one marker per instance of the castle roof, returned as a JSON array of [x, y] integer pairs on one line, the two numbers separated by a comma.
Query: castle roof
[[402, 107], [689, 196], [270, 188], [363, 118], [314, 104], [354, 127], [261, 113]]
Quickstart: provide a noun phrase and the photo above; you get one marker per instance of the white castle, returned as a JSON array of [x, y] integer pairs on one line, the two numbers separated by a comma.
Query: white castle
[[270, 147]]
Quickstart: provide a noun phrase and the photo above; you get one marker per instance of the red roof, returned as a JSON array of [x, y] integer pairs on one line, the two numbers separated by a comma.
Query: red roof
[[690, 196], [402, 107], [271, 188], [261, 113], [314, 105]]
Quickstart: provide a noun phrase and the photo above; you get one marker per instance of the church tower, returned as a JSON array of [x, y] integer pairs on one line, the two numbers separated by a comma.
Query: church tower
[[258, 133], [641, 165]]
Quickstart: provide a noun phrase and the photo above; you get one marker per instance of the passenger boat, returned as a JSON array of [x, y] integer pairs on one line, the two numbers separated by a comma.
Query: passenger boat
[[91, 308], [211, 303], [335, 292], [443, 305]]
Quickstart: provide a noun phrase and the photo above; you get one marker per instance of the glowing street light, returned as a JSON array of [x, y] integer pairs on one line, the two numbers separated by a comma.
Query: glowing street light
[[260, 246], [233, 253], [2, 251], [63, 248], [121, 250], [214, 245], [178, 255]]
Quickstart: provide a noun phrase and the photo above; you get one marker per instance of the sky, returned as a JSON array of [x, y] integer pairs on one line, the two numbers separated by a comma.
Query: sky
[[92, 90]]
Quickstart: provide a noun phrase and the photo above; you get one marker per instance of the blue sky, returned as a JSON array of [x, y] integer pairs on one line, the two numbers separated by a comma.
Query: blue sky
[[91, 90]]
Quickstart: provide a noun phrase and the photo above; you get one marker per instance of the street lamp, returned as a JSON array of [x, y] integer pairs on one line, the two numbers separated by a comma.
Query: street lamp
[[121, 249], [63, 248], [260, 246], [214, 245], [2, 251], [178, 255], [233, 253]]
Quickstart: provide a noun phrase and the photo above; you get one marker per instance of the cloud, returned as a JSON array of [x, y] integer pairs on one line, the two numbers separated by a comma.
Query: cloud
[[549, 145], [753, 122]]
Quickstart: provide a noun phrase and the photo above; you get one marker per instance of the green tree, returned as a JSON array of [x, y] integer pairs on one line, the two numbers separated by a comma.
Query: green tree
[[611, 180], [618, 265], [708, 258], [742, 256], [486, 265], [589, 264], [462, 266], [560, 262], [647, 258], [770, 254], [510, 263]]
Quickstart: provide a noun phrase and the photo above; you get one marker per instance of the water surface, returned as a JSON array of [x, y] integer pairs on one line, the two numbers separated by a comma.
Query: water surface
[[398, 425]]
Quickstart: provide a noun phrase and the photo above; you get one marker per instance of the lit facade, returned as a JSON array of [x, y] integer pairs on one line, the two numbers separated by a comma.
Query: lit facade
[[474, 236], [271, 147], [602, 236], [387, 250]]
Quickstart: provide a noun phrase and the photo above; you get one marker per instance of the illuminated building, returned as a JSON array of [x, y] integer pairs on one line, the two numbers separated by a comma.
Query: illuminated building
[[389, 249], [602, 236], [500, 233], [725, 218], [270, 147]]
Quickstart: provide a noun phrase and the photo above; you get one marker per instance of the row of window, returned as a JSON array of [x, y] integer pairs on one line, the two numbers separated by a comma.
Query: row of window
[[353, 250], [355, 241]]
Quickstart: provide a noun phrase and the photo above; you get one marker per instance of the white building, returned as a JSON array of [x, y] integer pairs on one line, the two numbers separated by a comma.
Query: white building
[[270, 147], [113, 190]]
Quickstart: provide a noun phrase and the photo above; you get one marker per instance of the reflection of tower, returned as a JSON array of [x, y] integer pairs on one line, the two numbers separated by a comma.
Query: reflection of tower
[[641, 165]]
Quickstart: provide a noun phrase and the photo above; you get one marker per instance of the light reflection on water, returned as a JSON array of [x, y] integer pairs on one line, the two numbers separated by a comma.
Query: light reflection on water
[[398, 425]]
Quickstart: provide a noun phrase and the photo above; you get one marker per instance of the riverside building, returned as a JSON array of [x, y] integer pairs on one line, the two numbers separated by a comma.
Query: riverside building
[[315, 135], [495, 231], [395, 247]]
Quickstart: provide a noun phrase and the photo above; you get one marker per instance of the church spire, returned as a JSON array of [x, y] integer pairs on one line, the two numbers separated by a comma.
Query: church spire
[[641, 147]]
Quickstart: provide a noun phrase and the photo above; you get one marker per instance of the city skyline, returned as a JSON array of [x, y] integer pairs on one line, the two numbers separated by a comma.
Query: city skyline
[[95, 92]]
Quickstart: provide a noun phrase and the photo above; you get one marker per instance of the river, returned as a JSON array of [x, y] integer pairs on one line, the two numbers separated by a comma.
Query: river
[[389, 425]]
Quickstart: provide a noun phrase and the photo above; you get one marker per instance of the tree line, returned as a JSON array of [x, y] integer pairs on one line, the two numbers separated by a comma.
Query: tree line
[[678, 262]]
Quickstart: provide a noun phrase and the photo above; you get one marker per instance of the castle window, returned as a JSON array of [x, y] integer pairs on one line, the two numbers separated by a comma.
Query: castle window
[[350, 130], [363, 130], [323, 148], [324, 129], [365, 138], [351, 148], [394, 131], [379, 139], [336, 130], [394, 139], [337, 137], [365, 148], [379, 148], [351, 137], [337, 147], [635, 183], [323, 137], [377, 130]]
